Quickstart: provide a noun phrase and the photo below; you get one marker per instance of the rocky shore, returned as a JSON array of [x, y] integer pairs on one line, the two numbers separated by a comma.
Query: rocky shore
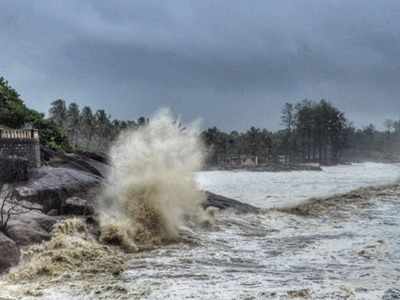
[[66, 186]]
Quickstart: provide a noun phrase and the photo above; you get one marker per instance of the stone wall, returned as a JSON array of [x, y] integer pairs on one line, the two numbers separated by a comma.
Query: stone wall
[[21, 144]]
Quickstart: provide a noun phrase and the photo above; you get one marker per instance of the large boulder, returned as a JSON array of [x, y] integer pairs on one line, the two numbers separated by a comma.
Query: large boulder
[[30, 228], [50, 187], [222, 202], [95, 163], [77, 206], [9, 253]]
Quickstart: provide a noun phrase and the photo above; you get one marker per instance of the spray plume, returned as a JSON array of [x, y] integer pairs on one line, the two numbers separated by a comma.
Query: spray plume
[[152, 191]]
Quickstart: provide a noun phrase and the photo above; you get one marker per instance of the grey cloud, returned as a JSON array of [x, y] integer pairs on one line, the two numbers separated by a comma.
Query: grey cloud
[[232, 63]]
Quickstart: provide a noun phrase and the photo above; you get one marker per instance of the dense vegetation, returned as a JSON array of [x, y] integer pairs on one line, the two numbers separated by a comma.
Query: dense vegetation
[[66, 128], [15, 114], [88, 130], [312, 132]]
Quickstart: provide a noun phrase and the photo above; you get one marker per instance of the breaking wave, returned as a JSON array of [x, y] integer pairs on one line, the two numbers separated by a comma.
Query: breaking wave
[[71, 249], [152, 192]]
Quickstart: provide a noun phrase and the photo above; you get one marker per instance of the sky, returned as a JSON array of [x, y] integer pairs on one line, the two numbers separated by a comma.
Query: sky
[[233, 64]]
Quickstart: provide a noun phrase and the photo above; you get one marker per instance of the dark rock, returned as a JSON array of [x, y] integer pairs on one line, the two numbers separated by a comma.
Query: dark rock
[[53, 212], [50, 187], [222, 202], [9, 253], [77, 206], [100, 157], [24, 234], [93, 163], [33, 227]]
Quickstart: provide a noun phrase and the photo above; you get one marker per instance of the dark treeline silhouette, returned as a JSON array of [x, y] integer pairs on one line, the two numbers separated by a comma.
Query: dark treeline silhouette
[[370, 144], [222, 146], [68, 127], [312, 132], [86, 129]]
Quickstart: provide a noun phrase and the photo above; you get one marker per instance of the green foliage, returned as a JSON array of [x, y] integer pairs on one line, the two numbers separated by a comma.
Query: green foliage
[[319, 131], [88, 130], [15, 114], [58, 112], [252, 142], [314, 131], [51, 135]]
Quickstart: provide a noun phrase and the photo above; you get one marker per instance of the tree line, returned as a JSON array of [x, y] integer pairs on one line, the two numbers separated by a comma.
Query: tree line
[[15, 114], [312, 131], [86, 129], [67, 127]]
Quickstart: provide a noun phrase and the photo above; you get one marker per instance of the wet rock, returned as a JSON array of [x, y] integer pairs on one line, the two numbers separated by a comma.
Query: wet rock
[[77, 206], [53, 212], [50, 187], [9, 253], [33, 227], [25, 235], [94, 163], [222, 202], [391, 294]]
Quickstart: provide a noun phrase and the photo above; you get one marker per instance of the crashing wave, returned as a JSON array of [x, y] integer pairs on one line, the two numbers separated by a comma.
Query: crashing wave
[[152, 191]]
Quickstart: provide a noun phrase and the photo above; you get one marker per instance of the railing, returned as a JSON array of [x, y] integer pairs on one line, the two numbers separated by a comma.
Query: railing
[[20, 134]]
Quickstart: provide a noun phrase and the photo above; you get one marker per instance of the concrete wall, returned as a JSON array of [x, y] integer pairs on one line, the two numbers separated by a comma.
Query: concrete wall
[[21, 143]]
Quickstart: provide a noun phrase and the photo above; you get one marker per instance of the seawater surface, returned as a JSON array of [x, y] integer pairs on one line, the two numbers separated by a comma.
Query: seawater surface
[[271, 255], [277, 189]]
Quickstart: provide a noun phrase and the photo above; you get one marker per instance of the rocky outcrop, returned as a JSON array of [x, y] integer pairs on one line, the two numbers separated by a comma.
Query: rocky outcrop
[[50, 187], [222, 202], [9, 253], [93, 163], [68, 187], [72, 191], [77, 206], [30, 228]]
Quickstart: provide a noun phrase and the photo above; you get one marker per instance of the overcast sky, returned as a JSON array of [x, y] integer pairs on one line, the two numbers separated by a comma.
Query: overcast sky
[[231, 63]]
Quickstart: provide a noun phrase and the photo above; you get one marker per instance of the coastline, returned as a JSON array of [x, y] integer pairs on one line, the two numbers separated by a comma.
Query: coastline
[[266, 168]]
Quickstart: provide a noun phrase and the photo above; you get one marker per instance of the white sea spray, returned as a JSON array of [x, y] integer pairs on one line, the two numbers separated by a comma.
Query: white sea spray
[[151, 189]]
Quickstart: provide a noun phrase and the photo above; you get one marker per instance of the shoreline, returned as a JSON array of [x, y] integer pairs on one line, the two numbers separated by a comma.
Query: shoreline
[[357, 198], [335, 207], [265, 168]]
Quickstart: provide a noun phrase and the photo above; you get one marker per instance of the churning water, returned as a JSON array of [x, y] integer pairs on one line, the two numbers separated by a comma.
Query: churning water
[[272, 255], [267, 189]]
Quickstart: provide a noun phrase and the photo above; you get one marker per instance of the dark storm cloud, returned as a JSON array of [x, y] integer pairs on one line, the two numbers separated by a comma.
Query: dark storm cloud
[[232, 63]]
